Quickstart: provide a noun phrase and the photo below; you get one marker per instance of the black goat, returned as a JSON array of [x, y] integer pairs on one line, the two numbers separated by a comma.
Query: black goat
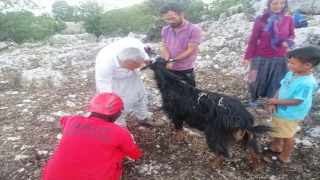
[[223, 119]]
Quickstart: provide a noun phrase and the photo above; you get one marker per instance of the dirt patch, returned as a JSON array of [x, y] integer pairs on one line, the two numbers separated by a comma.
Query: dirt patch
[[28, 141]]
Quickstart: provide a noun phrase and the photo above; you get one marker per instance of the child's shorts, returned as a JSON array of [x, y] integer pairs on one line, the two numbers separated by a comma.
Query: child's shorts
[[283, 128]]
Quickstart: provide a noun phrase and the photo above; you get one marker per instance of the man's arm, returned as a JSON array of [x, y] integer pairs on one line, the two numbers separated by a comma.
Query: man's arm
[[276, 95], [291, 29], [165, 53], [193, 44], [191, 48], [275, 101], [302, 93], [103, 79], [129, 148], [253, 40], [273, 107], [287, 102]]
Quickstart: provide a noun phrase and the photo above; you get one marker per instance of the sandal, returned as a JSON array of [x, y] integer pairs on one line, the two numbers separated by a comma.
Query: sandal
[[267, 150], [275, 160], [253, 103], [156, 108]]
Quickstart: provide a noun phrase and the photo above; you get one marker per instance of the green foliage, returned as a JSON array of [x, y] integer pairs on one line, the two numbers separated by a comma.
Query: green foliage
[[18, 5], [119, 22], [193, 9], [46, 15], [87, 9], [61, 10], [220, 6], [23, 27], [90, 13], [136, 19], [91, 25]]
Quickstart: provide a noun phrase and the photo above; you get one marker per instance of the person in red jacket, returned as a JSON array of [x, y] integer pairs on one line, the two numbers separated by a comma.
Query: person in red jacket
[[92, 147]]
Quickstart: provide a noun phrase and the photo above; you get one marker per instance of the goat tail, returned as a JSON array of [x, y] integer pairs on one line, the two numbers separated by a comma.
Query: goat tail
[[249, 138], [261, 129]]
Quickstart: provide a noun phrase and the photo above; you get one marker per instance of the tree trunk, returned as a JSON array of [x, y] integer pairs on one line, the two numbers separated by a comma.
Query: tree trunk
[[245, 11]]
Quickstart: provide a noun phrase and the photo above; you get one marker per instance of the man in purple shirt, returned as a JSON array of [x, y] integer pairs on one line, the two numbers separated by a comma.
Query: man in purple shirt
[[180, 41]]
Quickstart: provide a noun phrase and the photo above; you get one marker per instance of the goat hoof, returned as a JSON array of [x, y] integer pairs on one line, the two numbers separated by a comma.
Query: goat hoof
[[177, 138], [211, 165], [256, 167]]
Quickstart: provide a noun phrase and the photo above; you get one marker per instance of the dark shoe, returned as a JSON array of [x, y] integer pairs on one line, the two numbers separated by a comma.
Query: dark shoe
[[151, 122], [275, 160], [268, 151]]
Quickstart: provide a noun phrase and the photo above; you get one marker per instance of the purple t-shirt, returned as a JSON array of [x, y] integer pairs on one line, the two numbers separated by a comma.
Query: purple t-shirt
[[260, 42], [177, 43]]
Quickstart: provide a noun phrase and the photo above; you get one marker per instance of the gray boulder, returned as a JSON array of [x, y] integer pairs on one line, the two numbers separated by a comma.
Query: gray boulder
[[308, 36], [3, 45], [71, 40], [235, 9], [259, 6], [304, 6], [223, 16], [40, 77]]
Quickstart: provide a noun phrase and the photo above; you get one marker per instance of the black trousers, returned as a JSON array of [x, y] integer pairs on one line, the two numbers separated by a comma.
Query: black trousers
[[187, 75]]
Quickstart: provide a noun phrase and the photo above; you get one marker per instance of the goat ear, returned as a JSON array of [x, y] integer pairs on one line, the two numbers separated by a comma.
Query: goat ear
[[159, 59], [145, 67]]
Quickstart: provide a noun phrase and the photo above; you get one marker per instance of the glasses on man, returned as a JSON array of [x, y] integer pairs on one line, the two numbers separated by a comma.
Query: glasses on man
[[171, 19]]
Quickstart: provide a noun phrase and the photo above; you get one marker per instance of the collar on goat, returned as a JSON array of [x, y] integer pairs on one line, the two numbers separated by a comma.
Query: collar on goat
[[158, 61]]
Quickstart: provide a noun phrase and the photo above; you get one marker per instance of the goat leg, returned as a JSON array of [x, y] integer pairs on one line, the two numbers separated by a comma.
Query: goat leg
[[177, 135], [178, 124], [255, 160], [216, 162]]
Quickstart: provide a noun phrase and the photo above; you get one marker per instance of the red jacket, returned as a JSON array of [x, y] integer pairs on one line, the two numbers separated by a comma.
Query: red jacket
[[90, 149]]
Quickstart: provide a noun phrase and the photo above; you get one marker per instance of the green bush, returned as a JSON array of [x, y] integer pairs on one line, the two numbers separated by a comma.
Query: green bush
[[217, 7], [91, 24], [137, 19], [193, 9], [23, 27], [119, 22], [90, 13], [87, 9], [220, 6], [62, 10]]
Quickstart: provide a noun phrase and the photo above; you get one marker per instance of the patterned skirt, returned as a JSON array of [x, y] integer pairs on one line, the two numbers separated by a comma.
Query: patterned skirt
[[265, 75]]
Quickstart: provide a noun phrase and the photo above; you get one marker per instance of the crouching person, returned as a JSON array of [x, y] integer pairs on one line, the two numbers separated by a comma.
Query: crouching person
[[92, 147], [292, 102], [116, 71]]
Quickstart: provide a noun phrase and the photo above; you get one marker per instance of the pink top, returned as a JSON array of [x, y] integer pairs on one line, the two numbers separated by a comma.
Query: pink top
[[260, 42]]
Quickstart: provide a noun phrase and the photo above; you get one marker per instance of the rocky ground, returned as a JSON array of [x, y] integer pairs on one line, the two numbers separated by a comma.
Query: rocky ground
[[41, 82], [30, 126]]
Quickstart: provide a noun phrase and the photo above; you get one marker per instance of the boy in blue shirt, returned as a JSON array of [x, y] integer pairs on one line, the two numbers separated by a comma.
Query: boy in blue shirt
[[292, 101]]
